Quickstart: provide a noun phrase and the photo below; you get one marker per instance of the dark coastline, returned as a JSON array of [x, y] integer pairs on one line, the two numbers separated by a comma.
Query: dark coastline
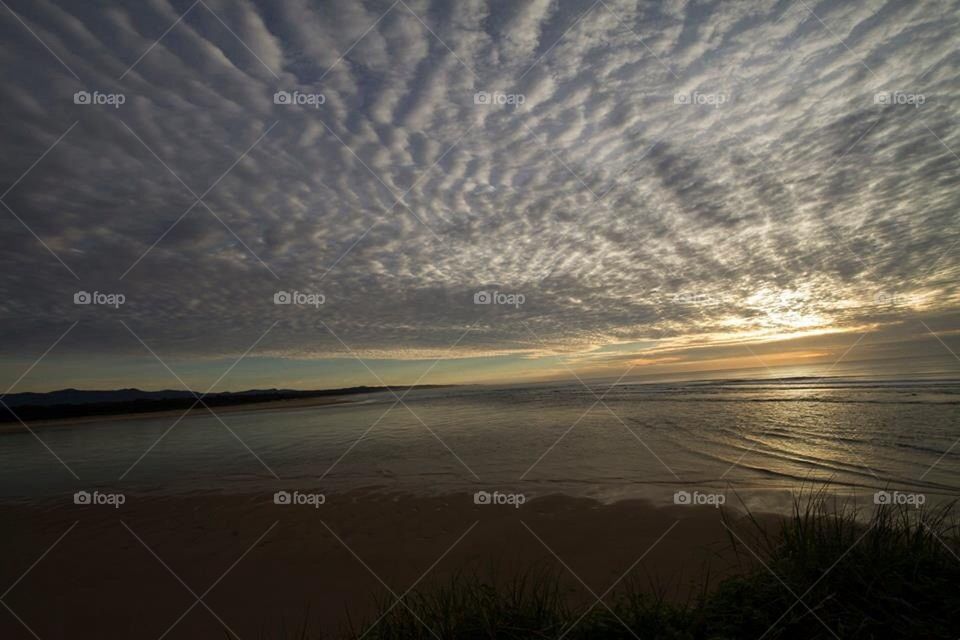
[[30, 407]]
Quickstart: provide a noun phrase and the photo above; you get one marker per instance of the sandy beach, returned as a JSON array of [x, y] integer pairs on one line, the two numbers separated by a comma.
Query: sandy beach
[[259, 567]]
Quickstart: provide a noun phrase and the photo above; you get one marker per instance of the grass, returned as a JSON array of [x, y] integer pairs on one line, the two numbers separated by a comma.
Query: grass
[[890, 573]]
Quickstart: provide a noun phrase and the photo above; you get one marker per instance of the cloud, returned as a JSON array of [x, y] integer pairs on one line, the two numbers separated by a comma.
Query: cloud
[[674, 171]]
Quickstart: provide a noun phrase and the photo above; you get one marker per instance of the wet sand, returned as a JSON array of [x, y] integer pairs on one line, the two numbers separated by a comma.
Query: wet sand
[[260, 567]]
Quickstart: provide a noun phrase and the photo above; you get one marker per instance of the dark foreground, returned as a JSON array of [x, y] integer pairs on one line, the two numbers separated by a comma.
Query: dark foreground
[[396, 566], [821, 574]]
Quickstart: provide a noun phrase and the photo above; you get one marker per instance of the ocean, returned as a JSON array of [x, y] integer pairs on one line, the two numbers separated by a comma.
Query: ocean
[[756, 439]]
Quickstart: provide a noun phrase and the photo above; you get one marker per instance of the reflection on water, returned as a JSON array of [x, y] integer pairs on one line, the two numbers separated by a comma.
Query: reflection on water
[[643, 440]]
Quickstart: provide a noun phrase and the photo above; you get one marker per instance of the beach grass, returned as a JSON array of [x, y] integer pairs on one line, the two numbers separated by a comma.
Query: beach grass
[[828, 570]]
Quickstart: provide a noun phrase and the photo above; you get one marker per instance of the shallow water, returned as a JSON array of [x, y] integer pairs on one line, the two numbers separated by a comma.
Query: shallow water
[[640, 440]]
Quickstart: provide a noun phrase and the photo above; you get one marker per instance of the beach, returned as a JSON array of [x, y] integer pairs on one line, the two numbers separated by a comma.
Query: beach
[[262, 522], [261, 567], [475, 320]]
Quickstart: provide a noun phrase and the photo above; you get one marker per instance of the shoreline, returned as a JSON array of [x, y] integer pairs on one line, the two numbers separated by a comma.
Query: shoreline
[[96, 410], [266, 405], [757, 499]]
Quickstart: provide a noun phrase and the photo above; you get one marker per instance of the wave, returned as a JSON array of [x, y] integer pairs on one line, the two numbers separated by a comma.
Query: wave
[[822, 400]]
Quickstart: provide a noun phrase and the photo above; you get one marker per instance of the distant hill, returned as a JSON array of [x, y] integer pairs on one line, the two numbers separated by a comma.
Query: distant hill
[[76, 403]]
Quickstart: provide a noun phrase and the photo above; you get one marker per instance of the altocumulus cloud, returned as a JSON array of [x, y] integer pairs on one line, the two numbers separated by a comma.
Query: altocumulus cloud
[[669, 170]]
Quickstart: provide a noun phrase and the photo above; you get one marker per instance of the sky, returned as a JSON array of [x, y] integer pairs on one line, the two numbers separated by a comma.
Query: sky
[[475, 191]]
